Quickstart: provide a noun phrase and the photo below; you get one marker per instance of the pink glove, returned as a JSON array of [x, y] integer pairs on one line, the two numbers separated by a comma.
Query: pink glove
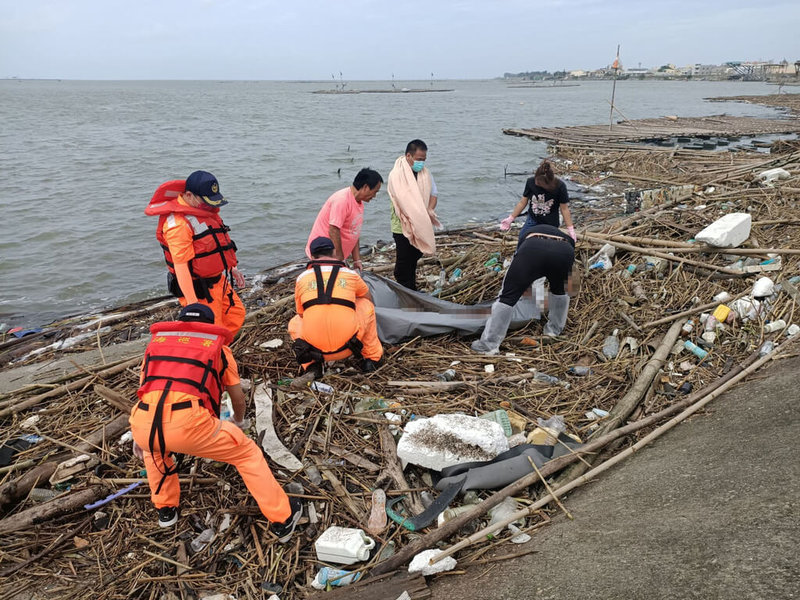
[[572, 234], [505, 224]]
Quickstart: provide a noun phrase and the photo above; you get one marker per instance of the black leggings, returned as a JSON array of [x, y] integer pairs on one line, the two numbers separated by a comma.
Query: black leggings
[[538, 257], [405, 266]]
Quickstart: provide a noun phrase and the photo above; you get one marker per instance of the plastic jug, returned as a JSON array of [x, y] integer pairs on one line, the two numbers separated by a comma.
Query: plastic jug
[[343, 545]]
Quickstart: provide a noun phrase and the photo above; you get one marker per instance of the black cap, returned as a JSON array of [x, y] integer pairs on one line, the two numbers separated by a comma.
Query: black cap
[[206, 187], [320, 243], [197, 312]]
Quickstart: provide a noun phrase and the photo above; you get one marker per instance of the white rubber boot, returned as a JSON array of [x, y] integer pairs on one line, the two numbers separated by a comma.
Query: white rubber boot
[[495, 331], [556, 315]]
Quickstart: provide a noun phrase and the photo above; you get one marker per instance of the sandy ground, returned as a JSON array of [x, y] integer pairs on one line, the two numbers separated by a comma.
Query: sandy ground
[[709, 510]]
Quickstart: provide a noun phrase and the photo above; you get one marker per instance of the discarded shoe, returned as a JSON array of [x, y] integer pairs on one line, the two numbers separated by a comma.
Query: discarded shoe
[[167, 516], [285, 530]]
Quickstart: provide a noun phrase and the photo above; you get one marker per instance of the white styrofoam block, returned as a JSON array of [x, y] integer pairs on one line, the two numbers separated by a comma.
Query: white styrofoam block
[[727, 232], [445, 440], [421, 563]]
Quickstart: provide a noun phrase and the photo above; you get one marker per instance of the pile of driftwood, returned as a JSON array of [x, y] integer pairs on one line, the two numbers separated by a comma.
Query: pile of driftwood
[[50, 542]]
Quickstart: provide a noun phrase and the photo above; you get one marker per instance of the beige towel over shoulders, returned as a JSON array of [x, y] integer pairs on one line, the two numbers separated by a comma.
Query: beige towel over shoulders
[[409, 197]]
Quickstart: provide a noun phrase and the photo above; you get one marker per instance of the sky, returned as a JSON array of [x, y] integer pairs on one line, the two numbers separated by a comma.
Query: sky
[[376, 39]]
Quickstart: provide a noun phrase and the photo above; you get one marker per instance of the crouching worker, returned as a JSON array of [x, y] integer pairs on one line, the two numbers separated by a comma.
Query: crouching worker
[[545, 252], [335, 315], [186, 366]]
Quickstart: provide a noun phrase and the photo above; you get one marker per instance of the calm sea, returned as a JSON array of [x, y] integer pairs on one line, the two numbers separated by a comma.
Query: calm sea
[[80, 160]]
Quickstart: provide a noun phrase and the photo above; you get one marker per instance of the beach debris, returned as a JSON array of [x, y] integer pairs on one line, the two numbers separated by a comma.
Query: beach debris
[[271, 344], [770, 176], [328, 576], [270, 442], [450, 439], [727, 232], [421, 563], [343, 545]]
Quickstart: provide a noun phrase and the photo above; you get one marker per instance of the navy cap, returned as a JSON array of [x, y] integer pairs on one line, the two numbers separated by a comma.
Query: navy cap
[[197, 312], [206, 187], [320, 243]]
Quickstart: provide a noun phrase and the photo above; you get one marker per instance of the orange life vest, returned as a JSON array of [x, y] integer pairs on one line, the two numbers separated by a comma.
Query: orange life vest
[[186, 357], [214, 250]]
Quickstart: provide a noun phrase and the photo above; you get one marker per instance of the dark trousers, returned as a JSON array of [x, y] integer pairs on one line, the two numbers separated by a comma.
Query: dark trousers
[[535, 258], [405, 265]]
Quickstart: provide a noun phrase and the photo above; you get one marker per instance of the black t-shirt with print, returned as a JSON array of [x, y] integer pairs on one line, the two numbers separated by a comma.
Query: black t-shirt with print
[[543, 204]]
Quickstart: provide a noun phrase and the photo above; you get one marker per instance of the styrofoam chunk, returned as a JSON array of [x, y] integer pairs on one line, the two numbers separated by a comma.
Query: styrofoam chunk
[[421, 563], [727, 232], [445, 440]]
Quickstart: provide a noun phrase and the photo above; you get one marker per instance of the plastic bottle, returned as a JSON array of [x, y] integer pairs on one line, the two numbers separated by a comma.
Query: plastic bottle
[[457, 272], [42, 494], [337, 577], [766, 348], [544, 377], [225, 407], [792, 330], [774, 326], [448, 375], [629, 271], [579, 370], [611, 345], [695, 349], [318, 386], [500, 417], [687, 328]]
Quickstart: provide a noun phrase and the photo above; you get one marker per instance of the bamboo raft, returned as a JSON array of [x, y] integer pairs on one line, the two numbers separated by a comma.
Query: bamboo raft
[[58, 549], [664, 128]]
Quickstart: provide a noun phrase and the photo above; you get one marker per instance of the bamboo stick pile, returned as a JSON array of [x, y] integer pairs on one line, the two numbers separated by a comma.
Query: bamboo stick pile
[[119, 551]]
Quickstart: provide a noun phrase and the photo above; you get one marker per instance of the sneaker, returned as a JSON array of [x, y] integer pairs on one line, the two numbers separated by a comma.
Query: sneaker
[[285, 530], [167, 516]]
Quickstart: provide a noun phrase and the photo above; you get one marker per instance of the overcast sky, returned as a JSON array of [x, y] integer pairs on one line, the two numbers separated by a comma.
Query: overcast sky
[[373, 39]]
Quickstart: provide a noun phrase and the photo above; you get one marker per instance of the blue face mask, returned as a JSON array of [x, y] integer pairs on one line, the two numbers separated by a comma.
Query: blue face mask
[[417, 166]]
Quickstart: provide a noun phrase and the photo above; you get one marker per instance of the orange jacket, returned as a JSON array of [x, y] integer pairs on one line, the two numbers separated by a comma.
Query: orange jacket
[[186, 357], [214, 251], [329, 321]]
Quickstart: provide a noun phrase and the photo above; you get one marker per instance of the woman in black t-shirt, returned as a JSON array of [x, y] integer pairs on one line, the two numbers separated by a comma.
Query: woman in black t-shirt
[[545, 195]]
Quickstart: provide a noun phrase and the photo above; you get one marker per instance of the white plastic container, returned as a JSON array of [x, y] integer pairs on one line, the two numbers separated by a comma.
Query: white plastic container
[[727, 232], [343, 545]]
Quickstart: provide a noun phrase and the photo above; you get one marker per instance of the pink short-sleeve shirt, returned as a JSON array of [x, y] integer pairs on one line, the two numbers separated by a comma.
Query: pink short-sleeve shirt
[[340, 210]]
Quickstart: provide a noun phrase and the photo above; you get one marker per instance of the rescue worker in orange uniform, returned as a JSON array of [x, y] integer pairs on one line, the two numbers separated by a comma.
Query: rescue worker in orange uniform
[[186, 366], [335, 315], [200, 255]]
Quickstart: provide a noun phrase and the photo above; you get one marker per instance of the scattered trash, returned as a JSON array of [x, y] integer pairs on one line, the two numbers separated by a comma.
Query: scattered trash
[[271, 344], [770, 176], [728, 231], [488, 368], [42, 494], [337, 577], [113, 496], [421, 563], [343, 545], [596, 413], [792, 330], [529, 341], [766, 348], [30, 422], [611, 345], [448, 375], [722, 297], [763, 287], [579, 370], [500, 417], [774, 326], [199, 543], [323, 388], [695, 349], [551, 379], [377, 516], [445, 440]]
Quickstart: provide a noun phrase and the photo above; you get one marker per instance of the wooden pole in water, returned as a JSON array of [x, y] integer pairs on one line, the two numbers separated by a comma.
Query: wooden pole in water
[[613, 91]]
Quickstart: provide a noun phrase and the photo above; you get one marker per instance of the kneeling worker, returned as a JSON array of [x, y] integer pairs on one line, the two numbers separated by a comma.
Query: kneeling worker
[[335, 315], [545, 252], [186, 366]]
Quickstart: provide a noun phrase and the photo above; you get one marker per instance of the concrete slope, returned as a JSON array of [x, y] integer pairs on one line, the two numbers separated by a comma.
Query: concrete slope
[[710, 510]]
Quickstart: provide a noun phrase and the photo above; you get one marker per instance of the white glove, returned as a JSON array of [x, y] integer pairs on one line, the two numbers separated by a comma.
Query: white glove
[[505, 224], [244, 424]]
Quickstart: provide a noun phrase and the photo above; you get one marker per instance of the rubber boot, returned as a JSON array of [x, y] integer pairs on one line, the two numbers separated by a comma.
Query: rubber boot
[[495, 331], [557, 315]]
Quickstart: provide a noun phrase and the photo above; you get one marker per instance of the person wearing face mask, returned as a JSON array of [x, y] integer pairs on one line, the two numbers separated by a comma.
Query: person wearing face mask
[[413, 194], [342, 215]]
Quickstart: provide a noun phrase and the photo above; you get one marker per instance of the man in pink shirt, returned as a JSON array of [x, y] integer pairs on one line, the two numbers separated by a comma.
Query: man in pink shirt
[[342, 214]]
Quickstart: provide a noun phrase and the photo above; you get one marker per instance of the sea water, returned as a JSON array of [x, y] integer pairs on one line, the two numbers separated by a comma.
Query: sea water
[[80, 160]]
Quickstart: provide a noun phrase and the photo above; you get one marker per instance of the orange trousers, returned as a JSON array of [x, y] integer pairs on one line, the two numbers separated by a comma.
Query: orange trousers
[[197, 432], [367, 332], [228, 309]]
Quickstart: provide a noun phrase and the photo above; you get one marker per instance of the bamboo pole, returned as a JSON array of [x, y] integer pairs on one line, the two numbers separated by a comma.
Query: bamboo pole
[[686, 313]]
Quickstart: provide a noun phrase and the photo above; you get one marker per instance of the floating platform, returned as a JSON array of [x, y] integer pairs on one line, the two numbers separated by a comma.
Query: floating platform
[[400, 91], [558, 85], [649, 130]]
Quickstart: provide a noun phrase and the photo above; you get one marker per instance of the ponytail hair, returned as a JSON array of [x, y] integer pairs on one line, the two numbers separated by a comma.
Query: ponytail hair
[[544, 176]]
